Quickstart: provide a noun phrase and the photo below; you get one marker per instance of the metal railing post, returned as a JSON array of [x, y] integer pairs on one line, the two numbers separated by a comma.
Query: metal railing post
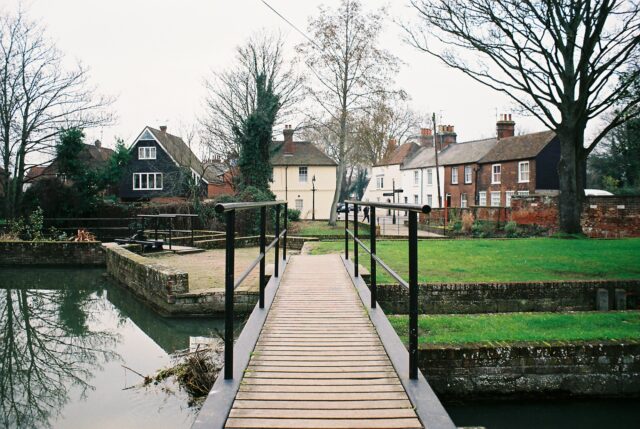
[[355, 237], [284, 243], [413, 295], [228, 295], [277, 258], [346, 234], [372, 241], [263, 244]]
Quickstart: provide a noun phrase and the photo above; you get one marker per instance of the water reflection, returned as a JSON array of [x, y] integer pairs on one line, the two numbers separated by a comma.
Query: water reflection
[[47, 347]]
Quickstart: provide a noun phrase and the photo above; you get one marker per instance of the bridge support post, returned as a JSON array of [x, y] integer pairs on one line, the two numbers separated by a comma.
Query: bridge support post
[[228, 295], [284, 243], [355, 238], [413, 295], [263, 244], [372, 241], [346, 227], [277, 259]]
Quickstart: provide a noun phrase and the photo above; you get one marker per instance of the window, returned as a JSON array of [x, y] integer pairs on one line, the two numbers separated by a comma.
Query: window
[[463, 200], [482, 198], [495, 199], [523, 193], [380, 182], [416, 178], [302, 174], [299, 204], [507, 197], [496, 170], [147, 152], [416, 199], [430, 176], [429, 199], [467, 173], [523, 172], [147, 181], [454, 175]]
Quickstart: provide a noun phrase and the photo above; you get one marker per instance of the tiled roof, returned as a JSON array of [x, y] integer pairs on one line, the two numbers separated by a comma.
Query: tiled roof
[[423, 157], [90, 156], [34, 172], [304, 153], [466, 152], [519, 147], [400, 154]]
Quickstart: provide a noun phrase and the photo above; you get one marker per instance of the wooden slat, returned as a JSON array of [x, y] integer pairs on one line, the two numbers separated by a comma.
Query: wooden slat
[[323, 423], [323, 405], [392, 413]]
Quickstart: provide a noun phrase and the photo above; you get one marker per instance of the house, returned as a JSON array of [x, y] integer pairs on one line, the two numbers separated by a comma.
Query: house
[[160, 166], [223, 183], [303, 175], [386, 175], [420, 177], [33, 175]]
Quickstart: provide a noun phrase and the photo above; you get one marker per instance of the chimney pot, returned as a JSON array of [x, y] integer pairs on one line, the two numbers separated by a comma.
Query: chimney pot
[[289, 147], [505, 127], [163, 128]]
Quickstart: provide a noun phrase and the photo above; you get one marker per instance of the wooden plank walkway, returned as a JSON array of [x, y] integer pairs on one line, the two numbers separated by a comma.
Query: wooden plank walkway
[[319, 362]]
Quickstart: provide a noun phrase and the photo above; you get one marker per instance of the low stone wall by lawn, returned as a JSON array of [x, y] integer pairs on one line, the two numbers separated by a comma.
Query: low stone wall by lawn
[[167, 289], [51, 253], [564, 369], [293, 243], [457, 298]]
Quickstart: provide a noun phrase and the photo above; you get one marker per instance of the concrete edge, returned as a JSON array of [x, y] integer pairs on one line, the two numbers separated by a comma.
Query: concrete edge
[[428, 407]]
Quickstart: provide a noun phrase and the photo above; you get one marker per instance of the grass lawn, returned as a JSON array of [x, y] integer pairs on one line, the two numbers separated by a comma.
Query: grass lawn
[[517, 327], [322, 228], [535, 259]]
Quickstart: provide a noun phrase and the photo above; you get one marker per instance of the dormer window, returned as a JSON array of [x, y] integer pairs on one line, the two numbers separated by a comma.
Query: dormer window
[[147, 152]]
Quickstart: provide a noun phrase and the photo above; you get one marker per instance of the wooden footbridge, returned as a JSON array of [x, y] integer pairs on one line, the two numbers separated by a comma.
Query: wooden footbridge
[[317, 351]]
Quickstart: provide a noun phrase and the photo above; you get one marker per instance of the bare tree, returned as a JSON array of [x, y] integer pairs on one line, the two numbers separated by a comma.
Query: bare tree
[[38, 98], [348, 69], [559, 60], [232, 93]]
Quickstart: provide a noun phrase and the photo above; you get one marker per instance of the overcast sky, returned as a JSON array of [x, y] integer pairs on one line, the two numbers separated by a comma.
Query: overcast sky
[[153, 55]]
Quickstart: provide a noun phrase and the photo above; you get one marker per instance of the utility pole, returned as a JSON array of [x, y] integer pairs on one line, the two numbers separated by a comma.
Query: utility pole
[[435, 148]]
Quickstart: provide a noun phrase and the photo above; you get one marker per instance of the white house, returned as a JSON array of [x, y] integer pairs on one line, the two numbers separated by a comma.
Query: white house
[[420, 178]]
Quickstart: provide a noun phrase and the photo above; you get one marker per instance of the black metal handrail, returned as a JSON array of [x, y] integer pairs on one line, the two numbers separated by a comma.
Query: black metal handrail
[[412, 211], [230, 284]]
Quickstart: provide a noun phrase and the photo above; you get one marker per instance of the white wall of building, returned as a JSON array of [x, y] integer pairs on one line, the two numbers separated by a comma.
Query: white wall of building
[[420, 185], [388, 174], [289, 185]]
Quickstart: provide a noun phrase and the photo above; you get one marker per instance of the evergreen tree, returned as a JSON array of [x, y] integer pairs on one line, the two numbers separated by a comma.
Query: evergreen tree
[[254, 135]]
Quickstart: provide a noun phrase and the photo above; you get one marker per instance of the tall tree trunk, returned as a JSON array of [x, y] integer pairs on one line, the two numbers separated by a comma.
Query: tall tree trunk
[[572, 179], [342, 166]]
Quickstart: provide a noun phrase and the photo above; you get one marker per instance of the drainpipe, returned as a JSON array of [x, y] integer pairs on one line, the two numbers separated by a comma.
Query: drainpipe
[[286, 182]]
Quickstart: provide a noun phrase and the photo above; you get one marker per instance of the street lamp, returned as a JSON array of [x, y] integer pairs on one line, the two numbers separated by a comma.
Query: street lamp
[[313, 197]]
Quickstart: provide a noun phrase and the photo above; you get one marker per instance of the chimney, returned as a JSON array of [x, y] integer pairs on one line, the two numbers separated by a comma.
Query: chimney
[[98, 144], [163, 128], [426, 137], [289, 147], [446, 136], [505, 127]]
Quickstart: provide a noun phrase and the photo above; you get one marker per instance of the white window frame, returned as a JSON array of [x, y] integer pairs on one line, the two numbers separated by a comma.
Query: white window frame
[[523, 193], [468, 174], [430, 199], [482, 198], [521, 173], [147, 181], [496, 174], [299, 204], [147, 152], [463, 200], [303, 174], [429, 176], [380, 181], [493, 194], [416, 178], [454, 175], [507, 198], [416, 199]]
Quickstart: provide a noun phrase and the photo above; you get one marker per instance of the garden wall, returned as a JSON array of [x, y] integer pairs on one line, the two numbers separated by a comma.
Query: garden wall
[[167, 289], [531, 370], [457, 298], [52, 253]]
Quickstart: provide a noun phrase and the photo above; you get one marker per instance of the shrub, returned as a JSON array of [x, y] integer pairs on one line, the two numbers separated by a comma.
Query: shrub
[[293, 215], [467, 222], [511, 229]]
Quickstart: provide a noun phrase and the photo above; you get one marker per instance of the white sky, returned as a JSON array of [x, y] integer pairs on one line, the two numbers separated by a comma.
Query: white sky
[[153, 55]]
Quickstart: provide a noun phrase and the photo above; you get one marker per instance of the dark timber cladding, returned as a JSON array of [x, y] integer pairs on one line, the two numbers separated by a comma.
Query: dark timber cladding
[[319, 362]]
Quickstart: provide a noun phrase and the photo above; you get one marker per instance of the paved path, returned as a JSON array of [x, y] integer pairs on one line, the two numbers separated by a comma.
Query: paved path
[[319, 362]]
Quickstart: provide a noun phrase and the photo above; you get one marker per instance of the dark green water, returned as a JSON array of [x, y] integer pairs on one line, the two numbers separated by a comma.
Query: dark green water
[[65, 336]]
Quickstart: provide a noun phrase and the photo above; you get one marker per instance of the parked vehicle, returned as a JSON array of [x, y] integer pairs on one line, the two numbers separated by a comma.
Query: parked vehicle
[[340, 208], [596, 192]]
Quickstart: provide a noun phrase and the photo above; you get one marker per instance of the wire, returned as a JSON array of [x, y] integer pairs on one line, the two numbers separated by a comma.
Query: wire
[[291, 24]]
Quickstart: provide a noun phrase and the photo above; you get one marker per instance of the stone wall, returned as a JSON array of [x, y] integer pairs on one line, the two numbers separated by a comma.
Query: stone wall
[[457, 298], [167, 289], [293, 243], [51, 253], [520, 370]]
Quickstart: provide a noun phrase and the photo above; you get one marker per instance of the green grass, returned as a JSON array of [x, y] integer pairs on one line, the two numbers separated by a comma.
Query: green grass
[[533, 259], [522, 327], [322, 228]]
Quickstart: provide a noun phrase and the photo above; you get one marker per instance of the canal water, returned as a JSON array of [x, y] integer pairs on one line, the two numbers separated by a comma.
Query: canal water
[[66, 336]]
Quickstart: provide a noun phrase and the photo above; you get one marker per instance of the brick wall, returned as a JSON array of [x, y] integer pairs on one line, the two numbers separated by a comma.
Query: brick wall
[[457, 298], [508, 179], [530, 370], [456, 190], [51, 253]]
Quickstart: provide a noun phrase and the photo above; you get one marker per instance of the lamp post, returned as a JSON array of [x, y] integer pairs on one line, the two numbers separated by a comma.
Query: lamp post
[[313, 197]]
